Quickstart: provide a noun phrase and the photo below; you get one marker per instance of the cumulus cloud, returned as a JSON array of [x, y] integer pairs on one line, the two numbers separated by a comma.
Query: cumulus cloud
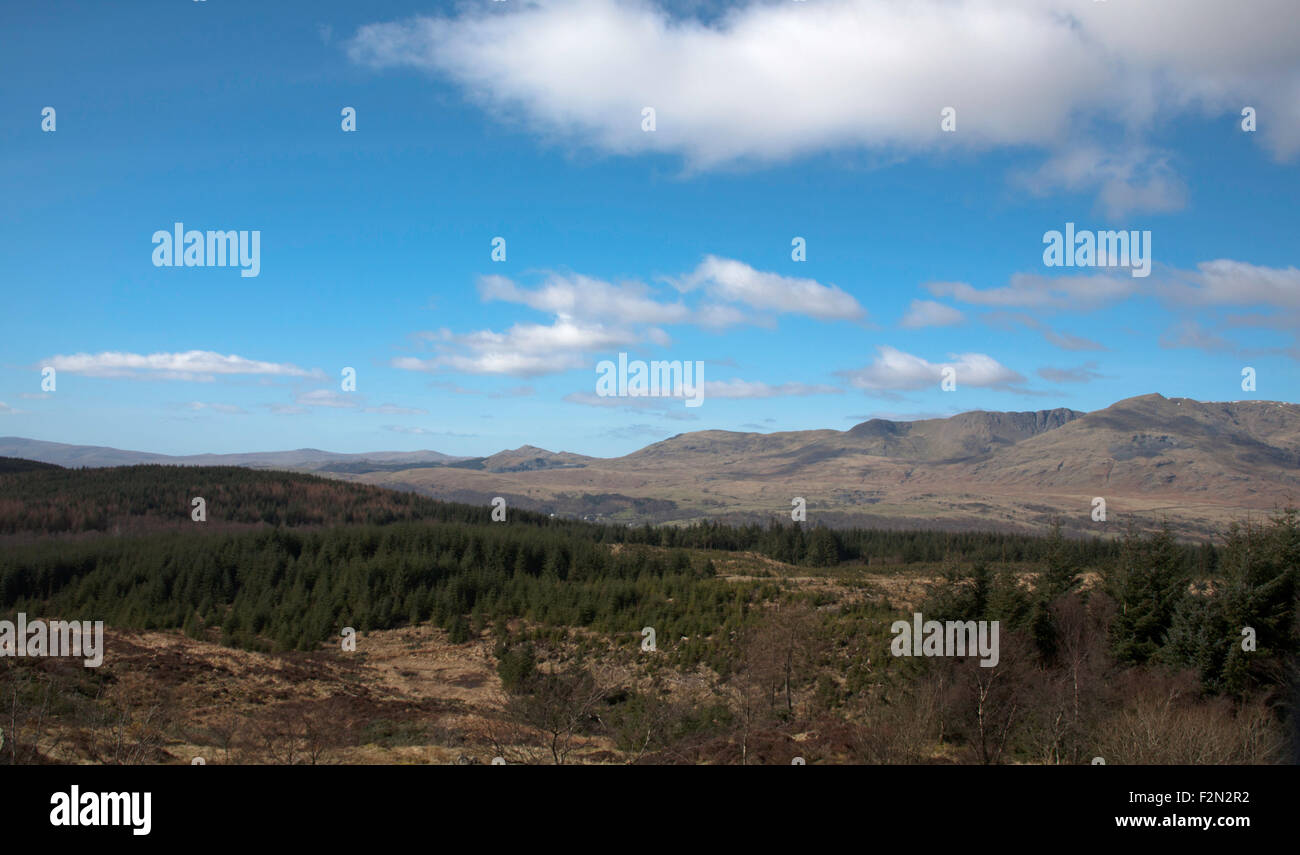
[[769, 81], [203, 365], [587, 298], [592, 316], [895, 371], [735, 293], [733, 281]]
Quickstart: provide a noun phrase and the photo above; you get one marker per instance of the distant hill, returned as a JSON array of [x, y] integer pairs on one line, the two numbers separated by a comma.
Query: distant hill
[[45, 499], [302, 458], [17, 464]]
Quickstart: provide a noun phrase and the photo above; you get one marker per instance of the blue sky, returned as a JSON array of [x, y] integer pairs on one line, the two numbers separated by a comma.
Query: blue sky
[[820, 120]]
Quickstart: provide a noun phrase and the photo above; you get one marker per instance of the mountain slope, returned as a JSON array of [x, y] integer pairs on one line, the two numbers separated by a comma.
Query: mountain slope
[[1150, 457], [1152, 443]]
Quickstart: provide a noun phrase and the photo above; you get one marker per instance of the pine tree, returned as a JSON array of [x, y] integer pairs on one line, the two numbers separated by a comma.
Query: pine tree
[[1149, 588]]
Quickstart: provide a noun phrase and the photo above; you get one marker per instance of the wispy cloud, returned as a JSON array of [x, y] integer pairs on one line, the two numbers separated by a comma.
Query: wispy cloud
[[394, 410], [325, 398], [1082, 374], [1191, 335], [419, 431], [669, 408], [928, 313], [1128, 181], [757, 389], [524, 350], [636, 431], [1065, 341], [201, 365], [1035, 291], [226, 409]]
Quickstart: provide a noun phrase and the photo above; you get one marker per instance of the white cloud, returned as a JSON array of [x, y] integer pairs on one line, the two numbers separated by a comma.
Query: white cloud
[[768, 81], [894, 370], [726, 282], [1226, 282], [928, 313], [736, 282], [593, 317], [1213, 283], [191, 365], [583, 297], [718, 316], [525, 350]]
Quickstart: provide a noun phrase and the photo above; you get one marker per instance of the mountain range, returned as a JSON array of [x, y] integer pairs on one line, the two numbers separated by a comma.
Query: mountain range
[[1198, 464]]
